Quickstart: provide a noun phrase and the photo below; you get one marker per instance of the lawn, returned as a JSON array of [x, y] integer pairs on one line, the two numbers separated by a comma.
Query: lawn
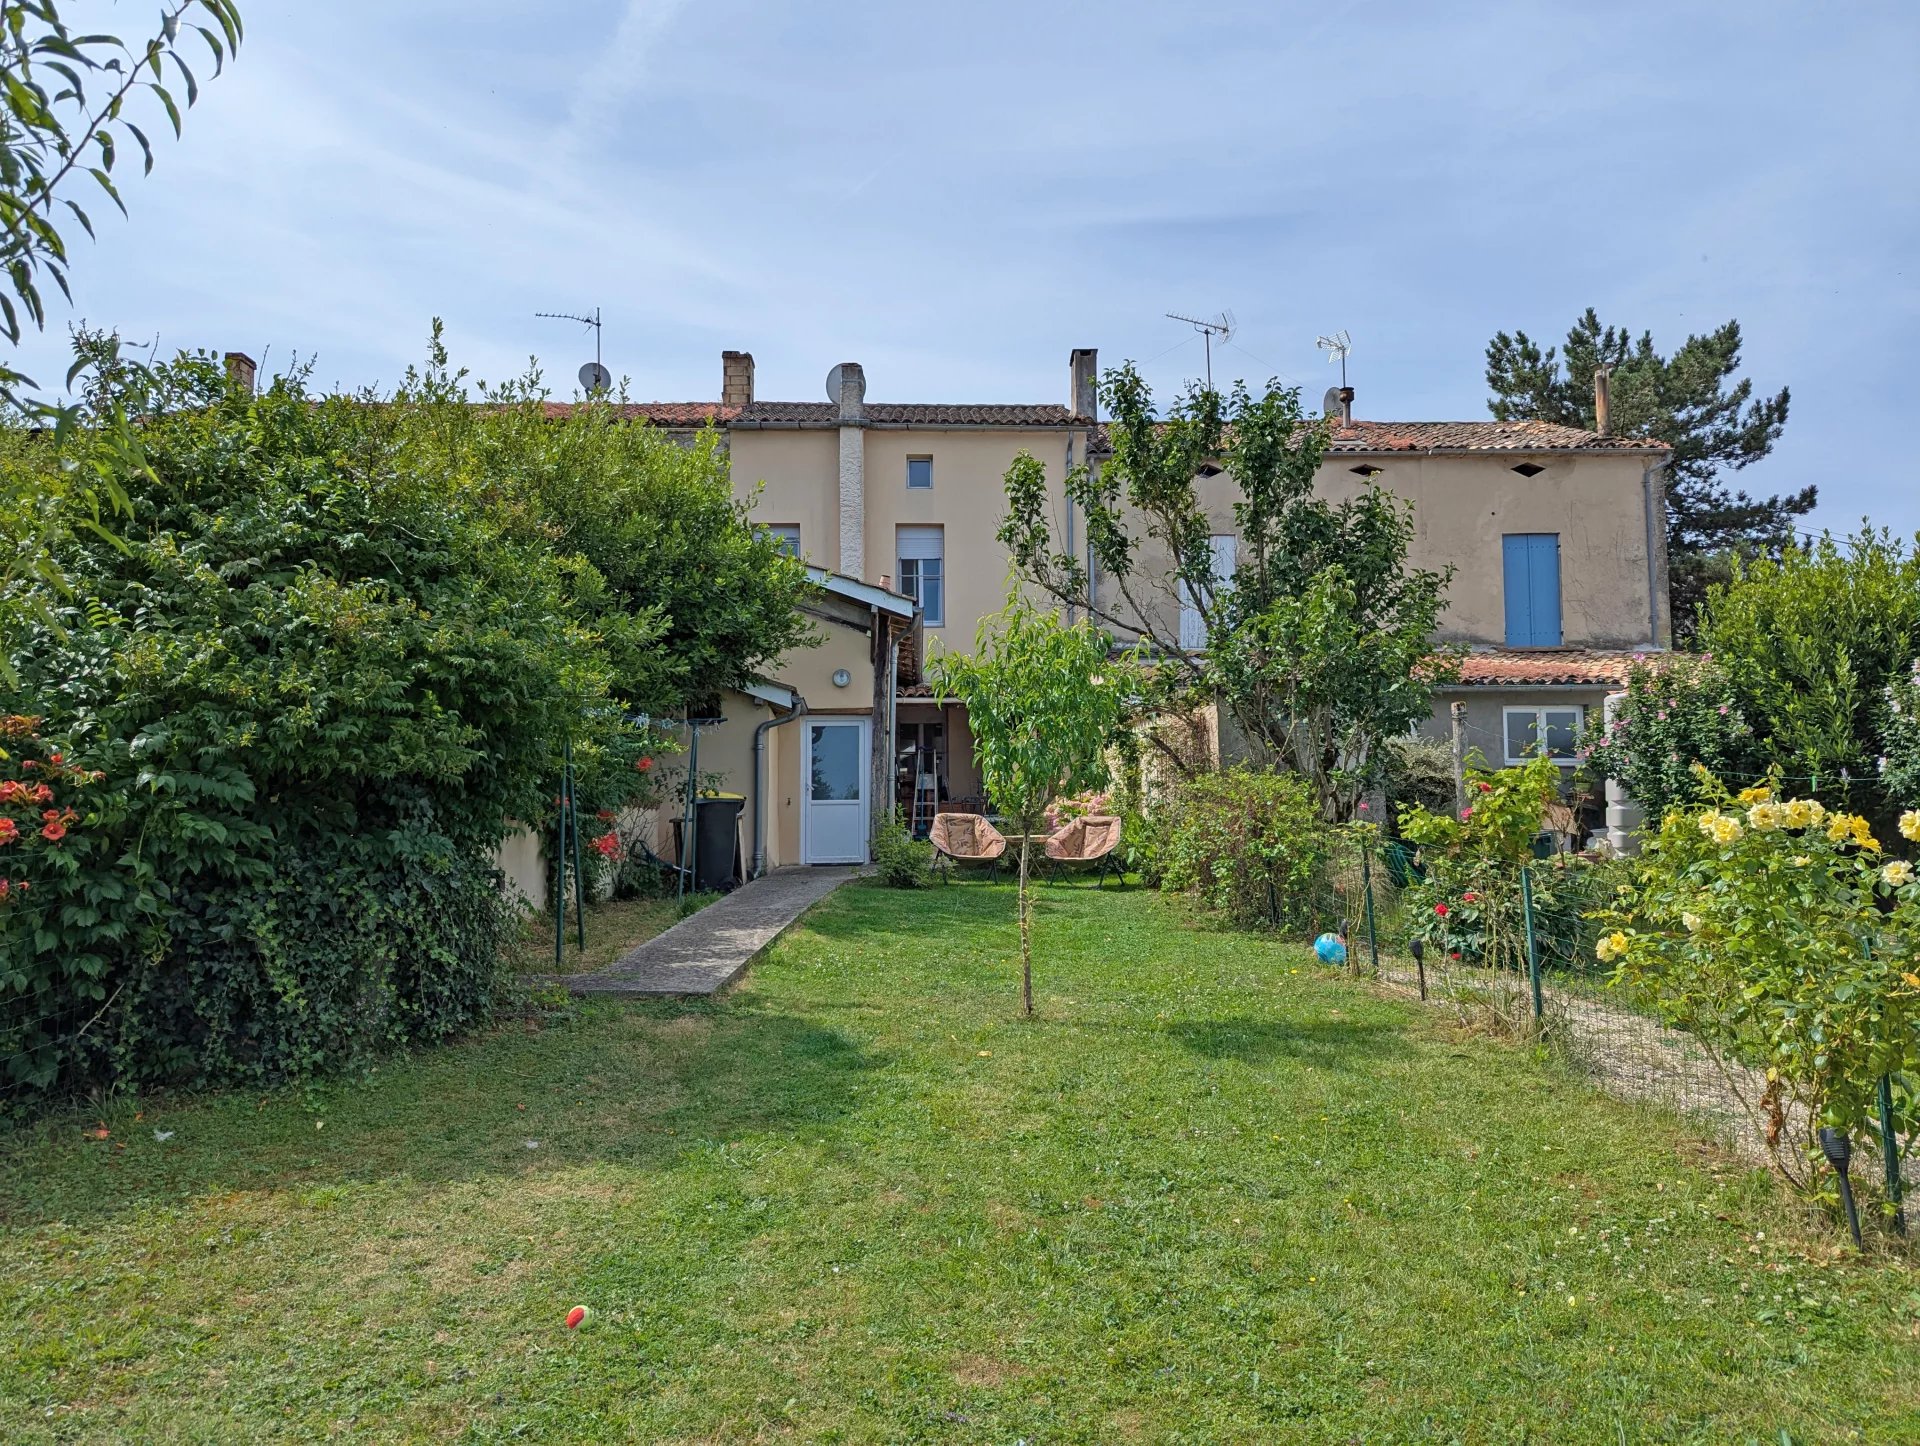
[[613, 927], [1213, 1193]]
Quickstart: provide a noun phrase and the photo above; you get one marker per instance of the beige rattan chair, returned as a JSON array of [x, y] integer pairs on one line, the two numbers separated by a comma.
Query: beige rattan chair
[[965, 838], [1086, 842]]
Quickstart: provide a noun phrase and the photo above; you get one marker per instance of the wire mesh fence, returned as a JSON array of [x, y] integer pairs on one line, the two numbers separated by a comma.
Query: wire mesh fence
[[1513, 952]]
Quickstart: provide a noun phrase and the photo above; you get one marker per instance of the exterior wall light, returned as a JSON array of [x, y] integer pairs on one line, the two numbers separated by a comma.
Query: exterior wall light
[[841, 677]]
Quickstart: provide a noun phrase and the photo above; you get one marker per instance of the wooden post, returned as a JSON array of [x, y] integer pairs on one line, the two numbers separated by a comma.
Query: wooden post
[[1458, 712], [882, 769]]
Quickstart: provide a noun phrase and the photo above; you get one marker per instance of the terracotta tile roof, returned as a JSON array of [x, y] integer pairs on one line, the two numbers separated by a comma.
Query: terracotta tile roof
[[1480, 437], [885, 414], [1570, 667]]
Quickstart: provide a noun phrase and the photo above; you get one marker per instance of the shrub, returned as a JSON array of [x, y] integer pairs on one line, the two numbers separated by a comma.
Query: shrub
[[902, 861], [1680, 715], [1417, 771], [1469, 904], [1249, 845], [1781, 936]]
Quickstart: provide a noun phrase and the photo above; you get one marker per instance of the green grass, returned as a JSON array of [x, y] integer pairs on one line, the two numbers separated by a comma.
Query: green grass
[[1213, 1193], [613, 927]]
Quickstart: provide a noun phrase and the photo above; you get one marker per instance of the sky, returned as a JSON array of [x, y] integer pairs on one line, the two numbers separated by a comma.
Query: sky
[[957, 196]]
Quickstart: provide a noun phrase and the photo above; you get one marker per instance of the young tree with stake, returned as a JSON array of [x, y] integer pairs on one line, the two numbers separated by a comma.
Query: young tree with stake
[[1043, 699]]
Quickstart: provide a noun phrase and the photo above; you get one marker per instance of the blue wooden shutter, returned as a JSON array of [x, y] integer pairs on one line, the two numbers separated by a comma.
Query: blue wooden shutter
[[1532, 578]]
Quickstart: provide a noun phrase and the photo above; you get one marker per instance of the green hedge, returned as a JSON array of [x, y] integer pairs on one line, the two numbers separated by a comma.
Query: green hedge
[[1250, 845]]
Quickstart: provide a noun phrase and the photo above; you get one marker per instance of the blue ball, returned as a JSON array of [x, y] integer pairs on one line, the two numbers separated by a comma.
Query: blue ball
[[1331, 948]]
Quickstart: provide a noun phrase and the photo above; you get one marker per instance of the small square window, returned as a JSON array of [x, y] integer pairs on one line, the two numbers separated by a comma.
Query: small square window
[[787, 534], [1552, 731], [919, 472]]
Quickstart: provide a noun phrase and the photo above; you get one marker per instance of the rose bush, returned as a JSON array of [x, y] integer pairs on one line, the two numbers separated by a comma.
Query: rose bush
[[1779, 934]]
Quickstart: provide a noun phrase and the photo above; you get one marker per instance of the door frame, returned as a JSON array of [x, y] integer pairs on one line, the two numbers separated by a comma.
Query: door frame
[[865, 725]]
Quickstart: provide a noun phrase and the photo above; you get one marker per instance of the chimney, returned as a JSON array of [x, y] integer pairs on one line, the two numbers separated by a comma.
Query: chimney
[[1346, 409], [736, 378], [1602, 401], [847, 390], [1082, 398], [240, 370]]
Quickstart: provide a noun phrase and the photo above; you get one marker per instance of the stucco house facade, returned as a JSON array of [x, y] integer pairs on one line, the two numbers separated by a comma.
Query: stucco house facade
[[1556, 537]]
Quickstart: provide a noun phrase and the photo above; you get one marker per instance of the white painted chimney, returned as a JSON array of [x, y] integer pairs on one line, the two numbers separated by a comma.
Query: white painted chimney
[[1603, 400], [848, 391]]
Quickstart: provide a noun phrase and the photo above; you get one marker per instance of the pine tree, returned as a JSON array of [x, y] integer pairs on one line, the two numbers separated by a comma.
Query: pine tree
[[1692, 402]]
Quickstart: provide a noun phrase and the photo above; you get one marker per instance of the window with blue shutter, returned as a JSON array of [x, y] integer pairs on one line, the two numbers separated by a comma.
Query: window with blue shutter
[[1532, 561]]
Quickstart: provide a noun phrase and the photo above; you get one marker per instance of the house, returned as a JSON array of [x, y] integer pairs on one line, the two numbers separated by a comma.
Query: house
[[1557, 538]]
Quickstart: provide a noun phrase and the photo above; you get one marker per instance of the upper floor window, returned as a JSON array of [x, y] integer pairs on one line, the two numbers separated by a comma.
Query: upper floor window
[[923, 571], [787, 534], [919, 471], [1193, 627], [1532, 579], [1552, 731]]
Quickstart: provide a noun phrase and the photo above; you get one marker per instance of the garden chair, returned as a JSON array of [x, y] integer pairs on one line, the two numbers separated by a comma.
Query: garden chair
[[965, 838], [1086, 842]]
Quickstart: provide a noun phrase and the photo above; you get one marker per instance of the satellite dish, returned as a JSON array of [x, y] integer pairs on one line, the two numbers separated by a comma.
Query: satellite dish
[[835, 377], [833, 384], [596, 378], [1330, 403]]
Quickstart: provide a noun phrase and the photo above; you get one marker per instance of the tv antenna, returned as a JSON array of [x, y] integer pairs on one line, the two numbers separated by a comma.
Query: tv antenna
[[1221, 326], [594, 377], [1336, 347]]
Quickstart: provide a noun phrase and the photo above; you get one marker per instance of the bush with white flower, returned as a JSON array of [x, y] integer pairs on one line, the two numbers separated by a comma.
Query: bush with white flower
[[1780, 934], [1900, 743]]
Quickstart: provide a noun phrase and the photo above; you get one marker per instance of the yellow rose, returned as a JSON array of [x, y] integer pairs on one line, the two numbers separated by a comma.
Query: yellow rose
[[1799, 812], [1863, 835], [1910, 824], [1610, 947], [1897, 874], [1709, 821], [1727, 830], [1692, 921], [1800, 861], [1816, 812], [1759, 793], [1764, 817], [1839, 827]]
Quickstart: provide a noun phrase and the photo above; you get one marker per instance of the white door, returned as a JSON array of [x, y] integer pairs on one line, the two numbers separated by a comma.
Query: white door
[[839, 764]]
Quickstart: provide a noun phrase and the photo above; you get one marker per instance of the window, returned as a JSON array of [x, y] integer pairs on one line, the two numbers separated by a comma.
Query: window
[[1193, 627], [1552, 731], [919, 472], [922, 571], [787, 534], [1532, 563]]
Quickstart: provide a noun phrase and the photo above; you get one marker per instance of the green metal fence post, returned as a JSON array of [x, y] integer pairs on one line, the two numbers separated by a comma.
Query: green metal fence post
[[1890, 1154], [1366, 882], [1533, 949], [573, 827], [560, 877]]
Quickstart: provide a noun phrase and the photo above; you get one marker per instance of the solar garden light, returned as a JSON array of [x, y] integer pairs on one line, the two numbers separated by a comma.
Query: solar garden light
[[1420, 964], [1838, 1149]]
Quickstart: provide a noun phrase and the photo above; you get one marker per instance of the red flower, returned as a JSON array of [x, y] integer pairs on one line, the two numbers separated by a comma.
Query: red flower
[[1465, 814], [608, 844], [1470, 897], [605, 815], [40, 793], [1454, 955], [641, 765], [9, 830], [1441, 910], [1486, 788], [54, 832], [12, 791]]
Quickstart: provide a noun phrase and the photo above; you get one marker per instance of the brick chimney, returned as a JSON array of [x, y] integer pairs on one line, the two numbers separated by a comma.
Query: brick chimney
[[240, 370], [1082, 397], [736, 378], [1603, 401]]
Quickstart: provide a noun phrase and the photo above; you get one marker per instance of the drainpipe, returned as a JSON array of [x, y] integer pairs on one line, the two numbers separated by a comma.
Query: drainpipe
[[1067, 502], [798, 710], [1656, 546]]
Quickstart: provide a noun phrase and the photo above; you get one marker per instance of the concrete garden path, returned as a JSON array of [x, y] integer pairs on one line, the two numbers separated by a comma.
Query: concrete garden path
[[707, 951]]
